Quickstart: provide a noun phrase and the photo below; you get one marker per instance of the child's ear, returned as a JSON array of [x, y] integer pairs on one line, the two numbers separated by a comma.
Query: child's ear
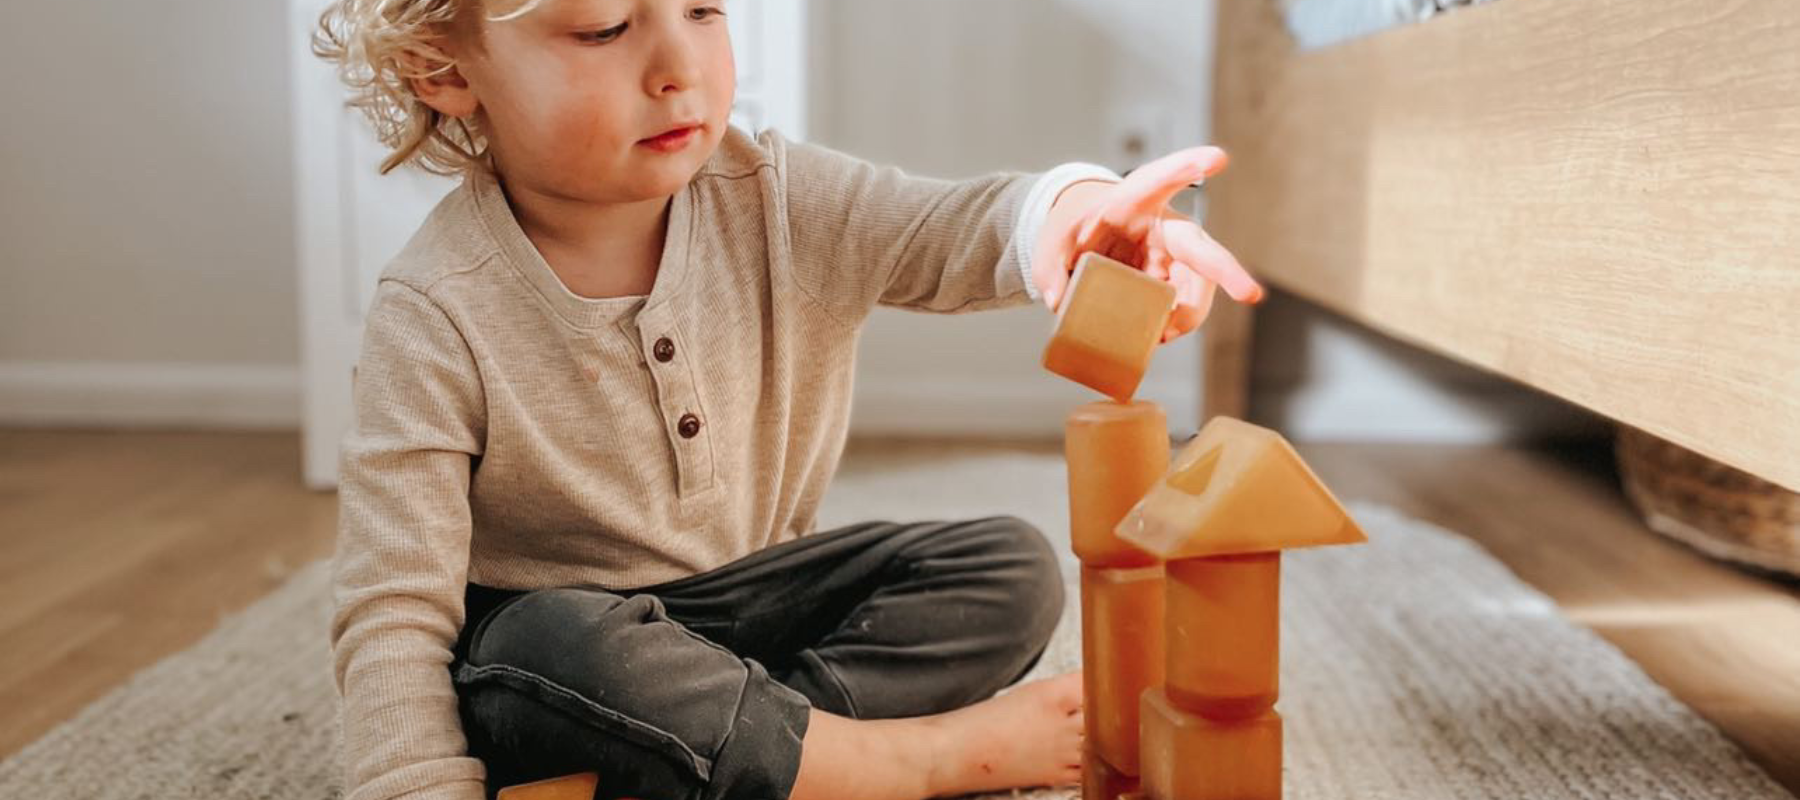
[[439, 84]]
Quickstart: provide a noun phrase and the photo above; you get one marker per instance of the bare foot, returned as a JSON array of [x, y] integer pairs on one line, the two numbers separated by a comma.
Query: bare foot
[[1030, 736]]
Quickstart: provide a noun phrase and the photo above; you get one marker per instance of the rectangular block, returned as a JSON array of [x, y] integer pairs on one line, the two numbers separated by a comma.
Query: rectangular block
[[1099, 781], [1237, 488], [1224, 640], [568, 787], [1111, 319], [1189, 757], [1122, 629], [1115, 452]]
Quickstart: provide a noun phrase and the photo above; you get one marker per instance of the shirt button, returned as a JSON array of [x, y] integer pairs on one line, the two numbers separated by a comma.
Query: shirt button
[[689, 427], [664, 350]]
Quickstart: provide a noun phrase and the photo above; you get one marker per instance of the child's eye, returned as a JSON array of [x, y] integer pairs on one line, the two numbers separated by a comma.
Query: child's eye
[[602, 36], [700, 14]]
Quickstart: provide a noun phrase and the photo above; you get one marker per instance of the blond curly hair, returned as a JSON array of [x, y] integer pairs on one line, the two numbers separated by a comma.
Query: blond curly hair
[[379, 47]]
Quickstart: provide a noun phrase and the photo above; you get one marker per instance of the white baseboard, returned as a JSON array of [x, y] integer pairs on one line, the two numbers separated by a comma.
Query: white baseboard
[[1484, 414], [146, 395], [901, 405], [1461, 415], [257, 396]]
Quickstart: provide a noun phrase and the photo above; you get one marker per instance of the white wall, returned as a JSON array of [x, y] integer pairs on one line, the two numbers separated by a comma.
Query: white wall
[[146, 237], [956, 88], [146, 228]]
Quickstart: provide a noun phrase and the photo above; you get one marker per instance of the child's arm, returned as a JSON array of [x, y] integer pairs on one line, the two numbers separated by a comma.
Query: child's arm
[[402, 556], [861, 235]]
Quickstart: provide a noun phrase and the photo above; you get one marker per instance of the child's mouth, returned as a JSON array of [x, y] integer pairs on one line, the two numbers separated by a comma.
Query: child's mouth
[[671, 141]]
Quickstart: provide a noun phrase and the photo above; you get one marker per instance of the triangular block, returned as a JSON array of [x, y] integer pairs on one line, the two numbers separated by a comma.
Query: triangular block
[[1237, 488]]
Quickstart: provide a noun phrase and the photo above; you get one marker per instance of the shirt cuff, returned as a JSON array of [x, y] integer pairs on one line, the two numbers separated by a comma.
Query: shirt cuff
[[1036, 209]]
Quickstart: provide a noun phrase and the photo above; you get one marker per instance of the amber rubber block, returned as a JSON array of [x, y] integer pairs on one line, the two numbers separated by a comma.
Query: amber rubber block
[[1099, 781], [1110, 322], [568, 787], [1189, 757], [1122, 629], [1115, 452], [1237, 488], [1224, 653]]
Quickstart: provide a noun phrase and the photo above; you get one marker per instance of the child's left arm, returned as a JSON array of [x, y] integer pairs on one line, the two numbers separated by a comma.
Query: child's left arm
[[1131, 221]]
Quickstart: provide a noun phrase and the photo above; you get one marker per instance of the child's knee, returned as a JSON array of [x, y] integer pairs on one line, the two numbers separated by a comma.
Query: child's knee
[[558, 633], [1034, 577]]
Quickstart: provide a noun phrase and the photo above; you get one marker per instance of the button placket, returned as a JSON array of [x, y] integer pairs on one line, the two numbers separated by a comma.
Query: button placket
[[678, 401]]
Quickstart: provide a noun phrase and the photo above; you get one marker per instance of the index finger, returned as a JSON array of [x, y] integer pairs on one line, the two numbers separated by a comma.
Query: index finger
[[1149, 188], [1205, 257]]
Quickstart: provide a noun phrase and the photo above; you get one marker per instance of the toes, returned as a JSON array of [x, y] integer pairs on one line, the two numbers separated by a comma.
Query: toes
[[1070, 699]]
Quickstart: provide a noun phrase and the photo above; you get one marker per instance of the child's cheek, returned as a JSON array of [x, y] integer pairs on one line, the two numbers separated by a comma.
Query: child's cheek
[[583, 130]]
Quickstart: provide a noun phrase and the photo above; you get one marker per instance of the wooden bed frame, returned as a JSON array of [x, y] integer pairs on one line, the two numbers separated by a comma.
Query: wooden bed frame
[[1600, 199]]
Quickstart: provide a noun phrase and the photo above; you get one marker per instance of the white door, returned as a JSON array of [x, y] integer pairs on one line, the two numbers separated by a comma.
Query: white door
[[352, 220]]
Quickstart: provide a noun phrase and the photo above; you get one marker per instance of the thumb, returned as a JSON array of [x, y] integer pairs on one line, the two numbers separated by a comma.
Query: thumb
[[1053, 287], [1050, 269]]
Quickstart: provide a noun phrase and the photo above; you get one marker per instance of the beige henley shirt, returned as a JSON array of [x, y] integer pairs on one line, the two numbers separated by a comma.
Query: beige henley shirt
[[514, 434]]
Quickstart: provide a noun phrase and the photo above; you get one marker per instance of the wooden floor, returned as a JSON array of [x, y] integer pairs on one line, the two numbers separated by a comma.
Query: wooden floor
[[117, 549]]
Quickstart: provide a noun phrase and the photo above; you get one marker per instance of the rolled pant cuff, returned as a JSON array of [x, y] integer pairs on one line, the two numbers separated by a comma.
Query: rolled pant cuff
[[760, 757]]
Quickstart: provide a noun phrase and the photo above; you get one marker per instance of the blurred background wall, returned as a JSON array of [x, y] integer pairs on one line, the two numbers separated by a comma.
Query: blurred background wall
[[962, 87], [147, 265], [146, 216]]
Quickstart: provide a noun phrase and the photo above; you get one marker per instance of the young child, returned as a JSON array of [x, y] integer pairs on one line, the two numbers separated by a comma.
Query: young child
[[602, 391]]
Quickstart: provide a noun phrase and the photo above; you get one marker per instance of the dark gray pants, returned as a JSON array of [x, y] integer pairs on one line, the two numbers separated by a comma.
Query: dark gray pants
[[700, 688]]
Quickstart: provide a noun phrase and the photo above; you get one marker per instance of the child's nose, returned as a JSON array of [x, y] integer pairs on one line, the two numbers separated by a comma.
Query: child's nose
[[675, 67]]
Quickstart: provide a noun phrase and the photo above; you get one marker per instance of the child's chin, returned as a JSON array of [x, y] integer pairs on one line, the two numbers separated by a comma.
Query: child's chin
[[667, 178]]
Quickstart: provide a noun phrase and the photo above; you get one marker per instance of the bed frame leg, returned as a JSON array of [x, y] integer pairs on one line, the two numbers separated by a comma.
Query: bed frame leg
[[1225, 388]]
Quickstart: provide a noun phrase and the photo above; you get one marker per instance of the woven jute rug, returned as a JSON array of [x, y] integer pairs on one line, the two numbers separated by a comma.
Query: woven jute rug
[[1415, 666]]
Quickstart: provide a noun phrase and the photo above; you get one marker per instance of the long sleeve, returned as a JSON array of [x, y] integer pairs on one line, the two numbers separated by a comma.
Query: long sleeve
[[402, 555], [863, 235], [1037, 205]]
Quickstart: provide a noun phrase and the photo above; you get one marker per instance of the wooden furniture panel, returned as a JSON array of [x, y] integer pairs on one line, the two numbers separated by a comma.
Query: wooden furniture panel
[[1599, 199]]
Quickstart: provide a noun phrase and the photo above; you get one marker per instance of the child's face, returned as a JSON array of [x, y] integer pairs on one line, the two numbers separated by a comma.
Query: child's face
[[579, 97]]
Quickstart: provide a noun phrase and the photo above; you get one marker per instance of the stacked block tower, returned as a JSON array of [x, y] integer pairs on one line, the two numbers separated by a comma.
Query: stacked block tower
[[1180, 565]]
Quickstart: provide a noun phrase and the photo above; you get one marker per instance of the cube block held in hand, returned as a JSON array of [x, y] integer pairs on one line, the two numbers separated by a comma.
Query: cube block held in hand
[[1111, 319]]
